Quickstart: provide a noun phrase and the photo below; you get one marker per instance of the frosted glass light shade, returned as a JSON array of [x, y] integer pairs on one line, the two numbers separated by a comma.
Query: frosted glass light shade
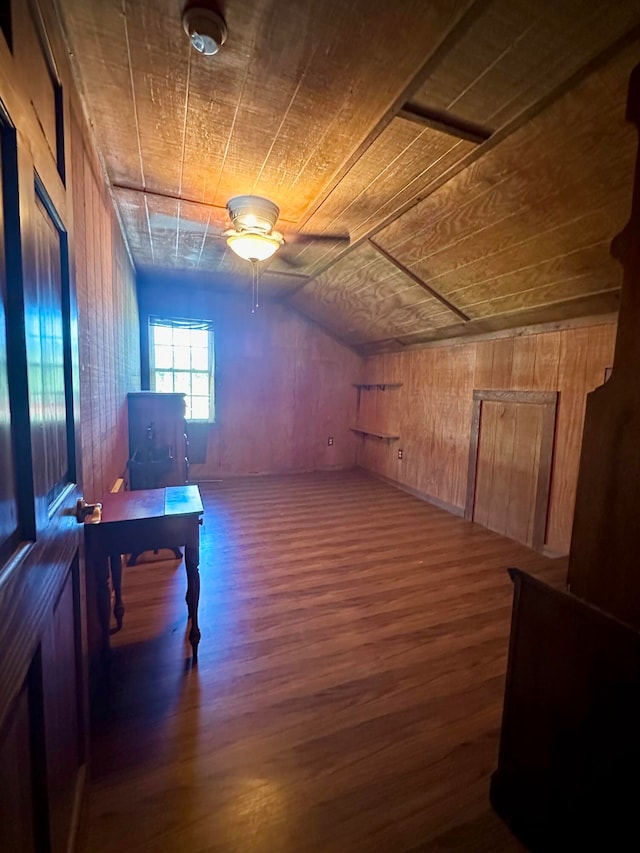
[[251, 246]]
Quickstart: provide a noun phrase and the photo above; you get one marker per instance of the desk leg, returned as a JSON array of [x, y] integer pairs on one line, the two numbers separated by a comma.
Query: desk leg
[[191, 562], [116, 578], [103, 599]]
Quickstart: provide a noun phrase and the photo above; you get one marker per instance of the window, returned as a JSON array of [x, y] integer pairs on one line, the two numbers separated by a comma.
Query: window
[[181, 360]]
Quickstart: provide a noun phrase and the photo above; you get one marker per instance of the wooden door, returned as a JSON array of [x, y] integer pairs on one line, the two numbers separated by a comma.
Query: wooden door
[[510, 463], [42, 684], [508, 459]]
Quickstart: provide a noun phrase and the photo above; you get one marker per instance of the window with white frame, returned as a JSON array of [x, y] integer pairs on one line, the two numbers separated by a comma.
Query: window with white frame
[[181, 359]]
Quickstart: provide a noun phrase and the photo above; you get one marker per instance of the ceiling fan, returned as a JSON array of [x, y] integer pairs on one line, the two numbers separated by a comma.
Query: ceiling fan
[[253, 236]]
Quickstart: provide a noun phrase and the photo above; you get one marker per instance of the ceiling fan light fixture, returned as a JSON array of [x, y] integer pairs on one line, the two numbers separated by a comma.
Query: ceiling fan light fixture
[[252, 212], [206, 29], [254, 245]]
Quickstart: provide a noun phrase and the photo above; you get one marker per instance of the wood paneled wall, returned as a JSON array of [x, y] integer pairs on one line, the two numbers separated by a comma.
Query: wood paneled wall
[[431, 411], [108, 328], [283, 386]]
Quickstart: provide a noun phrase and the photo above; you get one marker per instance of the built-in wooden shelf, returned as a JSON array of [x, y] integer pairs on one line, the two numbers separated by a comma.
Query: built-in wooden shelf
[[376, 433], [380, 386]]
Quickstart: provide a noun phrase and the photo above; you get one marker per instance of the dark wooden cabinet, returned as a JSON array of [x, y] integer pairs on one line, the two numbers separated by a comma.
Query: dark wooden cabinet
[[157, 440], [570, 745]]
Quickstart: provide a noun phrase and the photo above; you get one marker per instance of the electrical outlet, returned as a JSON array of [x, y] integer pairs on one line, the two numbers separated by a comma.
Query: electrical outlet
[[330, 441], [399, 454]]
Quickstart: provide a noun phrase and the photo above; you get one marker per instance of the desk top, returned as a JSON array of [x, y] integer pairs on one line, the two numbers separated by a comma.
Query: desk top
[[150, 503]]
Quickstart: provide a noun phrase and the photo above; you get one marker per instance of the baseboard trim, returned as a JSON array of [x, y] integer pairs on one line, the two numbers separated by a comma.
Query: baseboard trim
[[197, 481], [417, 493], [552, 554]]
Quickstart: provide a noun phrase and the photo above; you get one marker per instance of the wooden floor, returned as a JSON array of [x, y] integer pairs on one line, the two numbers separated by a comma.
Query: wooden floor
[[349, 690]]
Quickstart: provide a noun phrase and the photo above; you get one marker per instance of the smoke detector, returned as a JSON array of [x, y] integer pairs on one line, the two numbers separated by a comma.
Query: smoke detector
[[206, 29]]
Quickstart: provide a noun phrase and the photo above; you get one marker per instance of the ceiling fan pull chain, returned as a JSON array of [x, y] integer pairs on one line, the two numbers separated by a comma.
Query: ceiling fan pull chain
[[254, 286]]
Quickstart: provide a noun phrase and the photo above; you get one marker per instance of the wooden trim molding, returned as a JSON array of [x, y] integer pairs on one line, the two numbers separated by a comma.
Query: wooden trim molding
[[417, 280], [547, 399], [452, 509], [444, 122], [472, 470], [471, 332], [540, 398]]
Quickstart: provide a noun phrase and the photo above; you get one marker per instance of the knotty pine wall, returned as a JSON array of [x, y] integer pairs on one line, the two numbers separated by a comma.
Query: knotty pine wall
[[283, 386], [431, 411], [108, 327]]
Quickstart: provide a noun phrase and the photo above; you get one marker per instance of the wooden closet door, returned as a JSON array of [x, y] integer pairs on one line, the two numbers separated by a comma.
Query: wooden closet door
[[512, 436], [508, 463]]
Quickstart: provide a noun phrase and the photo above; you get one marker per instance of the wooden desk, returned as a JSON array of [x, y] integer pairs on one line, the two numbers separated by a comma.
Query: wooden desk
[[144, 520]]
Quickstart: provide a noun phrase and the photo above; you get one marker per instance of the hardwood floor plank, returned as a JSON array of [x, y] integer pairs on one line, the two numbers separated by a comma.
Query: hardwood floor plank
[[349, 690]]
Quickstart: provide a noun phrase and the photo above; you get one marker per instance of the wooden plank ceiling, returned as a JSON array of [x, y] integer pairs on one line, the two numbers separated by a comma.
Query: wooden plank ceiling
[[475, 153]]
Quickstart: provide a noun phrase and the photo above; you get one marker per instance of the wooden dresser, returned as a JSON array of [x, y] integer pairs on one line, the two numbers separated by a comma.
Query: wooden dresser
[[157, 440]]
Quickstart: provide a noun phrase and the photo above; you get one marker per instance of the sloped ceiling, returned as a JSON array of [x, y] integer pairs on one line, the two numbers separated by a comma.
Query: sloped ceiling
[[475, 153]]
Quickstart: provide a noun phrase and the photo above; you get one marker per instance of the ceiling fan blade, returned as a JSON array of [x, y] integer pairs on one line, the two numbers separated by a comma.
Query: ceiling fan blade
[[293, 241], [317, 238], [188, 226], [290, 260]]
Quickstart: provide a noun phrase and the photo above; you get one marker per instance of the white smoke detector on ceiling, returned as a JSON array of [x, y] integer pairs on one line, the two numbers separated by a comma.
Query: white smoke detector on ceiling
[[206, 29]]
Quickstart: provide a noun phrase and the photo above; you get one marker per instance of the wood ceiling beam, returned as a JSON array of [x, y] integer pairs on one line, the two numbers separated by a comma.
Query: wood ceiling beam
[[445, 123], [406, 271], [183, 199], [156, 194]]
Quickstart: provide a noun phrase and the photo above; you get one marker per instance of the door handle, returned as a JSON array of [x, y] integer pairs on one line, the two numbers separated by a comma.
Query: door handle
[[84, 510]]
